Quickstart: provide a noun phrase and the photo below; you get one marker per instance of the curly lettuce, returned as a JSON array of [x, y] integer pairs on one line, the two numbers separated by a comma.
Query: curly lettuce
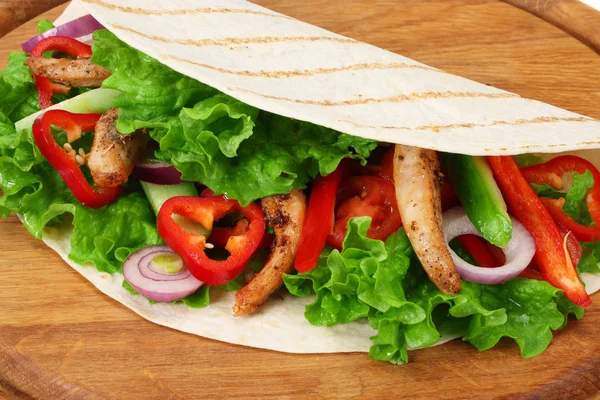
[[384, 282]]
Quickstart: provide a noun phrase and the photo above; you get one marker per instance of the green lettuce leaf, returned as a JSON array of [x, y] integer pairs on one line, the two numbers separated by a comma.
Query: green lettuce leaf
[[44, 25], [269, 154], [590, 259], [532, 311], [152, 92], [107, 236], [384, 282], [526, 160], [19, 94], [575, 198]]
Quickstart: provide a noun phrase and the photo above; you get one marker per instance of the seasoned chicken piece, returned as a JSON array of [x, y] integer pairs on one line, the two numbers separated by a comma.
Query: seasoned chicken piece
[[285, 213], [113, 155], [80, 72], [418, 180]]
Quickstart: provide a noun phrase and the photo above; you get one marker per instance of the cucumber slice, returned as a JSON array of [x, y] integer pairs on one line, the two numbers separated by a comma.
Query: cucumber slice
[[473, 182], [96, 101], [158, 194]]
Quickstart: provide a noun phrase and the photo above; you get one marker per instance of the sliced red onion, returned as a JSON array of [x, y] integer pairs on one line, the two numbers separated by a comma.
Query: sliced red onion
[[151, 270], [80, 27], [518, 252], [157, 172], [145, 271]]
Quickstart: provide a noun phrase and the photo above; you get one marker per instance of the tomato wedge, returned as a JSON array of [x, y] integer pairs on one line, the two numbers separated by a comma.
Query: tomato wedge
[[370, 196]]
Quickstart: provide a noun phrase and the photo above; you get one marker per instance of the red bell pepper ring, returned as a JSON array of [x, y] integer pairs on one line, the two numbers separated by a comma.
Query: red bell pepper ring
[[65, 163], [551, 173], [318, 222], [551, 255], [63, 44], [220, 236], [190, 246]]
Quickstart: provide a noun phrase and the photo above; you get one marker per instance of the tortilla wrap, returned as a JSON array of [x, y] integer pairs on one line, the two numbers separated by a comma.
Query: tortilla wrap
[[260, 66]]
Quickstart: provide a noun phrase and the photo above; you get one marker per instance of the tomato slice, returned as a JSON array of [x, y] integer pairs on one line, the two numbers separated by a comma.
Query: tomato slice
[[370, 196]]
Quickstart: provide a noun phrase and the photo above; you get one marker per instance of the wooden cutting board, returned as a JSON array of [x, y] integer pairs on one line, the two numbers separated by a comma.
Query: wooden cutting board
[[60, 337]]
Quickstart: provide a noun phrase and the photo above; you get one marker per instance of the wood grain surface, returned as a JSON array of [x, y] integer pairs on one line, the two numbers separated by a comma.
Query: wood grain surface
[[61, 338], [14, 13], [572, 16]]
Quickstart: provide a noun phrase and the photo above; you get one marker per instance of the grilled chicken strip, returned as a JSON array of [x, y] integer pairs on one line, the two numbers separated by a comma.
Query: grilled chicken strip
[[418, 180], [80, 72], [113, 155], [285, 213]]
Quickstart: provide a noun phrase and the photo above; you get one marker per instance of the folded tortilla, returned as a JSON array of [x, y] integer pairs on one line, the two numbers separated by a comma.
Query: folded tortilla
[[287, 67]]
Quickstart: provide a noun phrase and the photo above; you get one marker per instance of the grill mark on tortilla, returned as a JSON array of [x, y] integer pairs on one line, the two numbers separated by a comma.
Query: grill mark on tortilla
[[306, 72], [200, 10], [437, 128], [390, 99], [229, 41]]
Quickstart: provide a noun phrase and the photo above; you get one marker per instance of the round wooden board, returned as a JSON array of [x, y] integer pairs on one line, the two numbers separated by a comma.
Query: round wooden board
[[76, 340]]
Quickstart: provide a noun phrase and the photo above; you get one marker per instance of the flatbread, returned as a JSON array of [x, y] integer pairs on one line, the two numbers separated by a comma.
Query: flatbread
[[285, 66], [280, 324]]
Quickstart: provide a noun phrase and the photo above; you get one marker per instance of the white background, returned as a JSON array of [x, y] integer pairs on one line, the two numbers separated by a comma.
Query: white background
[[593, 3]]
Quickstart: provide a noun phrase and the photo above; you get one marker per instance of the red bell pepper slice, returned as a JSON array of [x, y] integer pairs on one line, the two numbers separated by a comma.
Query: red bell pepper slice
[[64, 44], [487, 255], [65, 163], [190, 246], [551, 256], [573, 245], [319, 218], [551, 173], [477, 248], [366, 196], [531, 273]]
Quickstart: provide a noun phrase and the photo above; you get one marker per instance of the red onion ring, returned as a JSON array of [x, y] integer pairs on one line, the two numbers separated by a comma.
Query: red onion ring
[[77, 28], [518, 252], [155, 285], [146, 269], [157, 172]]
